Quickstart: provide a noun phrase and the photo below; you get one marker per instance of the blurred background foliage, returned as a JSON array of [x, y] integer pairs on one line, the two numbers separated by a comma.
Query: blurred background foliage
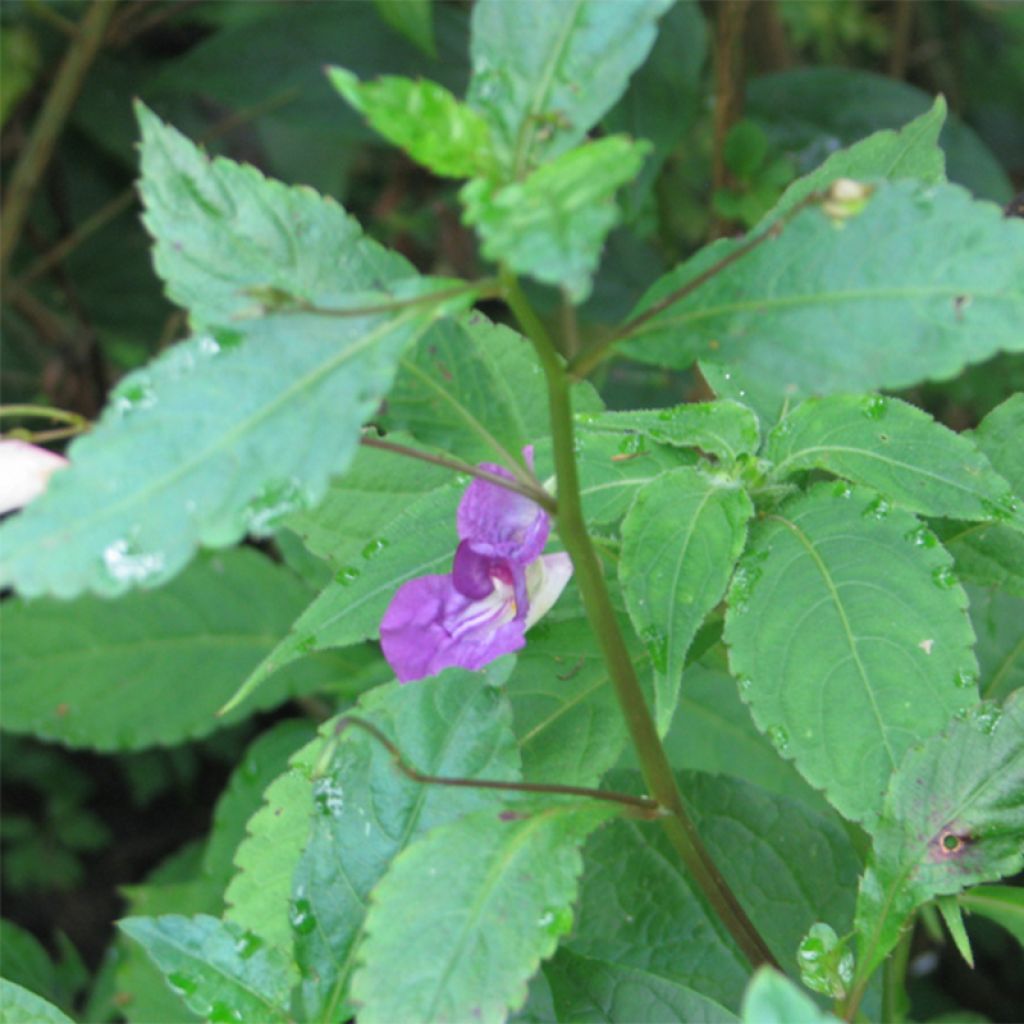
[[738, 99]]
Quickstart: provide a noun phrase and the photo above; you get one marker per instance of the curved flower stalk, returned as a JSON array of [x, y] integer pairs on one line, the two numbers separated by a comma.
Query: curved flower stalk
[[499, 586]]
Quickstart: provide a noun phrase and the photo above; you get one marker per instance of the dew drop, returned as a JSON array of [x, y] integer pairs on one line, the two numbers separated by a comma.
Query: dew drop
[[182, 983], [301, 916], [875, 407], [374, 547], [1002, 510], [221, 1013], [247, 945], [126, 563], [346, 574], [328, 797], [944, 577], [656, 642], [631, 444], [779, 737], [965, 679], [922, 537], [132, 395], [878, 508], [746, 686], [841, 489], [271, 505]]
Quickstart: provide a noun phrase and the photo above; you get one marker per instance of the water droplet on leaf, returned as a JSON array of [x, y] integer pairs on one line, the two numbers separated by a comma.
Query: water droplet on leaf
[[779, 737], [944, 577], [875, 407], [301, 917], [346, 575], [374, 547]]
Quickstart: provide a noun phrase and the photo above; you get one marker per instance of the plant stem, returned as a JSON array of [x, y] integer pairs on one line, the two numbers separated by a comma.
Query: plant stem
[[45, 132], [657, 770], [532, 490]]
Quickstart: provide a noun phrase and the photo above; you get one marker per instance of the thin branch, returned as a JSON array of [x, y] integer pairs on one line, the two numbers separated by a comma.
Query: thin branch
[[535, 491], [639, 806], [45, 132], [589, 360], [487, 288]]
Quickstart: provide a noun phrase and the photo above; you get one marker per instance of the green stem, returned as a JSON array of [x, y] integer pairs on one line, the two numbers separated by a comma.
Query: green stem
[[657, 770], [894, 974], [39, 147]]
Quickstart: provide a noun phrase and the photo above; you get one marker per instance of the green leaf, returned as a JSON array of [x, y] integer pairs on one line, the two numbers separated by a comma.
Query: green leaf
[[911, 152], [25, 962], [807, 110], [993, 555], [640, 909], [553, 224], [366, 814], [814, 865], [376, 489], [612, 466], [221, 971], [90, 673], [567, 719], [259, 896], [895, 448], [771, 998], [18, 1005], [474, 389], [174, 463], [997, 619], [857, 285], [413, 18], [726, 429], [544, 80], [587, 990], [849, 638], [419, 541], [499, 898], [263, 761], [423, 118], [952, 914], [953, 816], [1003, 904], [680, 540]]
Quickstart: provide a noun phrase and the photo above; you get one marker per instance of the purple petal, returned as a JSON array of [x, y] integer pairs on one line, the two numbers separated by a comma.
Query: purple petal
[[430, 626], [471, 572], [502, 523]]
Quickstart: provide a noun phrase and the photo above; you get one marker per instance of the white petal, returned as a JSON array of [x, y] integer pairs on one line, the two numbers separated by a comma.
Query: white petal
[[546, 578], [24, 472]]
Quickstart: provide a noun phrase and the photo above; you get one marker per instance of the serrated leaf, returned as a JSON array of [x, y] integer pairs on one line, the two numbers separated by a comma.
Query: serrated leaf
[[680, 540], [220, 970], [1003, 904], [90, 673], [911, 152], [588, 991], [567, 719], [264, 760], [375, 490], [552, 225], [367, 813], [998, 436], [18, 1005], [953, 816], [474, 389], [639, 908], [997, 618], [420, 541], [726, 429], [544, 75], [898, 450], [612, 467], [259, 896], [768, 315], [499, 897], [814, 862], [849, 638], [423, 118], [211, 440], [771, 998]]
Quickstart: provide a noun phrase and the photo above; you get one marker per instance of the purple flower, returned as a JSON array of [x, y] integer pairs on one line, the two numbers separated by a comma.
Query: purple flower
[[499, 586]]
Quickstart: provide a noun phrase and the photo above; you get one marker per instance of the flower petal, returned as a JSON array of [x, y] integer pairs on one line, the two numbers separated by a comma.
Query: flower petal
[[500, 522], [25, 470], [430, 626], [471, 572], [545, 580]]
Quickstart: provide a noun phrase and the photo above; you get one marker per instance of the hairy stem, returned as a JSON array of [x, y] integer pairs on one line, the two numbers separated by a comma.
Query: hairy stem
[[657, 770], [530, 489]]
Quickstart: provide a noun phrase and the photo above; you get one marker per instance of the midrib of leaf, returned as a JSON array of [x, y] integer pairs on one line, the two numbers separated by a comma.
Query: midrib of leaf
[[560, 711], [528, 126], [485, 894], [345, 968], [463, 413], [239, 430], [760, 305], [851, 639], [1004, 668], [868, 453]]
